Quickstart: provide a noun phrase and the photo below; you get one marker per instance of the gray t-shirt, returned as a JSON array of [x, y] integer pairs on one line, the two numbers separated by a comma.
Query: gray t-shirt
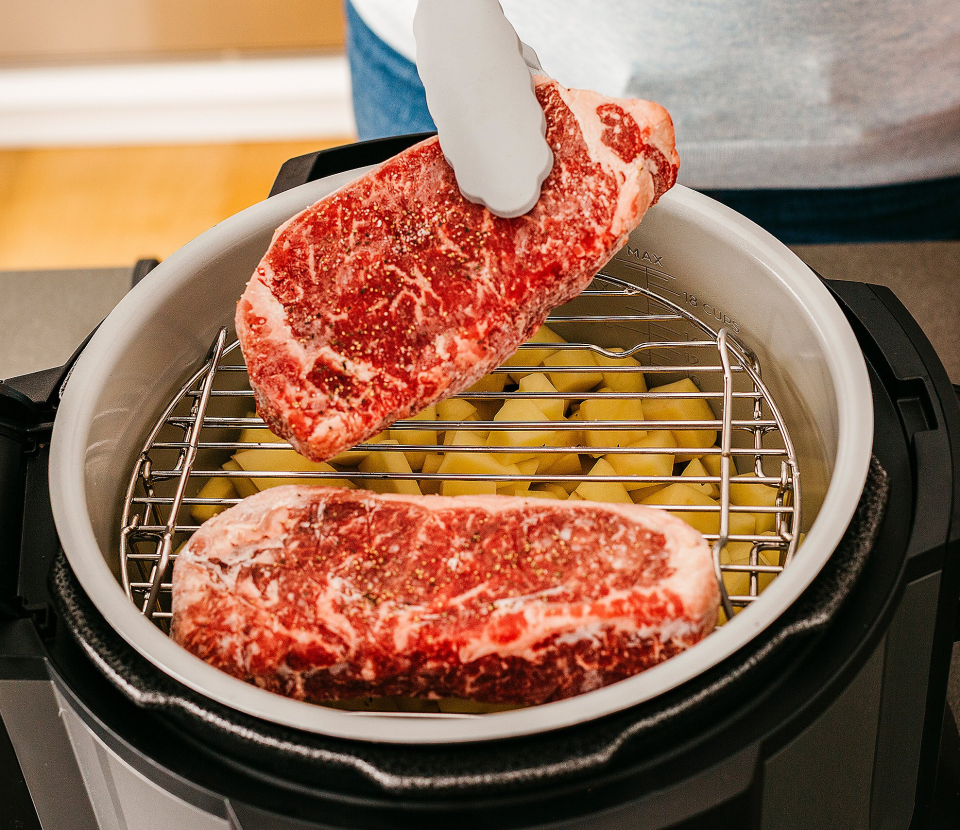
[[834, 93]]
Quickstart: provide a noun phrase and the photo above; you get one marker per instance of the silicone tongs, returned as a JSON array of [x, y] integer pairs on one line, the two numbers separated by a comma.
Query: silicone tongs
[[478, 77]]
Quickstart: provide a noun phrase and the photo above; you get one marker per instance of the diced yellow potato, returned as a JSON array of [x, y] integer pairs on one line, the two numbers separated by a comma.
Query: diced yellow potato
[[712, 463], [706, 522], [528, 467], [559, 464], [575, 496], [285, 460], [456, 409], [489, 383], [572, 381], [412, 437], [756, 495], [609, 491], [519, 488], [244, 486], [487, 409], [752, 495], [521, 410], [218, 487], [514, 488], [468, 488], [533, 357], [613, 410], [431, 486], [622, 381], [738, 553], [643, 464], [350, 458], [639, 495], [683, 409], [552, 408], [552, 490], [465, 438], [475, 463], [766, 522], [543, 494], [389, 462], [696, 469]]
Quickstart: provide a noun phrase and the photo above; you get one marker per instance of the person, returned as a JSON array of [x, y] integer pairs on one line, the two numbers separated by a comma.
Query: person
[[835, 121]]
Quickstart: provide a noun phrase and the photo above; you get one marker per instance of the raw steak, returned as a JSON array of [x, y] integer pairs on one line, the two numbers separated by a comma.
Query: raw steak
[[323, 594], [396, 292]]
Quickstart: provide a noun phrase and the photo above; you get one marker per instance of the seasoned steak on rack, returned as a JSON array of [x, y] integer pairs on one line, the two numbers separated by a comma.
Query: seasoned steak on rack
[[395, 292], [320, 593]]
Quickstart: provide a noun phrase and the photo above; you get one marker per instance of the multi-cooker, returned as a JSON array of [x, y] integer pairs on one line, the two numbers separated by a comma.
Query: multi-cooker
[[819, 704]]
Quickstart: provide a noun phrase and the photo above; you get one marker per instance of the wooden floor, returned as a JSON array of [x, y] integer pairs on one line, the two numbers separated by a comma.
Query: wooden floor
[[93, 207]]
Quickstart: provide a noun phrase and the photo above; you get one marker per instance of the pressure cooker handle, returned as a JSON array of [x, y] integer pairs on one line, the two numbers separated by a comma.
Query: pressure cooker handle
[[322, 163]]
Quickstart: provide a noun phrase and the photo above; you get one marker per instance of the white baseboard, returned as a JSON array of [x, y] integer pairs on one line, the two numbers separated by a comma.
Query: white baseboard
[[264, 99]]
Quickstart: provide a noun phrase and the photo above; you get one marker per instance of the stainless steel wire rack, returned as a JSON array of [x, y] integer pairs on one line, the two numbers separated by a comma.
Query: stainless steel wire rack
[[200, 430]]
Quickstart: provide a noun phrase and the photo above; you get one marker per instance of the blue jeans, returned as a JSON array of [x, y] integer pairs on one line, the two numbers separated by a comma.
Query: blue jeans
[[388, 99]]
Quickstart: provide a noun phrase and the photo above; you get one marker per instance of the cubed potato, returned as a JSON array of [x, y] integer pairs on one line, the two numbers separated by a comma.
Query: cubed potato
[[533, 357], [457, 409], [738, 553], [465, 438], [622, 381], [350, 458], [521, 410], [612, 409], [752, 495], [468, 488], [712, 463], [389, 462], [475, 463], [608, 491], [575, 496], [766, 522], [489, 383], [683, 409], [244, 486], [544, 494], [514, 488], [572, 381], [706, 522], [528, 467], [552, 408], [218, 487], [559, 464], [643, 464], [639, 495], [285, 460], [519, 488], [553, 490], [696, 469], [412, 437], [430, 486], [487, 409], [568, 464]]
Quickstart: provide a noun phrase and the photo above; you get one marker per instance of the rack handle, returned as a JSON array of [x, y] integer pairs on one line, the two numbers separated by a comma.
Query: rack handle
[[323, 163]]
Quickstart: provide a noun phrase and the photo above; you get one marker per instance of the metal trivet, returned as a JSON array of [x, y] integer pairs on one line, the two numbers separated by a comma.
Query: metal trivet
[[199, 430]]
